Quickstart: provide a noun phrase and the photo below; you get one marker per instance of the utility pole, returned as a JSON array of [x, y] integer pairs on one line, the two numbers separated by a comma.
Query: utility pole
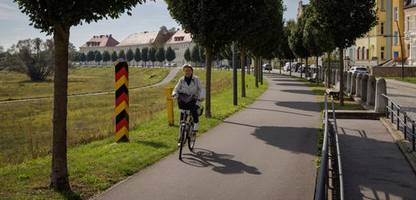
[[401, 47]]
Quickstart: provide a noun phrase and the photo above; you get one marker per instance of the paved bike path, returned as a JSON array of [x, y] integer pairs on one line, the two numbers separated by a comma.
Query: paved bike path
[[265, 151]]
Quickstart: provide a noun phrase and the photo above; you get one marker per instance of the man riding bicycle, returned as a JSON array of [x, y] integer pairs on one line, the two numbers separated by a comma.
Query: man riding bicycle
[[188, 91]]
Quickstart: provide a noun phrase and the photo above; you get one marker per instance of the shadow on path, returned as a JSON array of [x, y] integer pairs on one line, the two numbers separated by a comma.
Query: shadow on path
[[221, 163], [294, 139], [299, 105], [374, 169], [307, 92]]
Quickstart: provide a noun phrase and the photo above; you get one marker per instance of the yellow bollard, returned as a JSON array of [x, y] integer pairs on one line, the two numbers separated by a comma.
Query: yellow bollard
[[169, 105]]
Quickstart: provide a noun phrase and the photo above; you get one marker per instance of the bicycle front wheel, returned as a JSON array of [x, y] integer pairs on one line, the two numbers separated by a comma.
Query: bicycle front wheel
[[182, 140]]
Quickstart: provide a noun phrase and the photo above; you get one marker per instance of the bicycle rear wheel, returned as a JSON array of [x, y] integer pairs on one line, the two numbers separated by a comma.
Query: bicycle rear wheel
[[182, 140]]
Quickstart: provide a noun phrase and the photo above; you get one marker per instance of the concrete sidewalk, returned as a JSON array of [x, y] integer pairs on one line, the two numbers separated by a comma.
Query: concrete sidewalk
[[266, 151], [373, 166]]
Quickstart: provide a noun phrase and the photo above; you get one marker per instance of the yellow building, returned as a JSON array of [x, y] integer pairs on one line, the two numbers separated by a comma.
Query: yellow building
[[382, 43]]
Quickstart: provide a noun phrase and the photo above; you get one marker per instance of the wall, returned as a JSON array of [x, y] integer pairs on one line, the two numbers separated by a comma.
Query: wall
[[393, 71]]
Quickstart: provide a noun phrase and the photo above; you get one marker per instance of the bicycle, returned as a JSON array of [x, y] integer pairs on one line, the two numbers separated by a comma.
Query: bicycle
[[186, 133]]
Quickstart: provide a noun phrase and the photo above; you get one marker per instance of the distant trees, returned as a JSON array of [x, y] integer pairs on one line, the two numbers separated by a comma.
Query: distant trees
[[195, 55], [98, 57], [90, 56], [114, 56], [130, 55], [187, 55], [152, 55], [170, 54], [37, 57], [137, 55], [160, 55], [145, 55], [122, 55], [106, 56]]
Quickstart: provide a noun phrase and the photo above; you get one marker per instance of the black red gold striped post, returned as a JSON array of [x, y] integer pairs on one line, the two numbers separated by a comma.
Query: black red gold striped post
[[122, 102]]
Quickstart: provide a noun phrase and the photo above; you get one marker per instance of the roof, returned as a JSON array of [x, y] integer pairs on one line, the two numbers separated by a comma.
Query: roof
[[101, 41], [180, 37], [139, 38]]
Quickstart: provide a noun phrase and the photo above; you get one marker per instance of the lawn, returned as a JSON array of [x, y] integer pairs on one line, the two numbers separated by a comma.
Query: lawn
[[406, 79], [26, 126], [95, 166], [15, 85]]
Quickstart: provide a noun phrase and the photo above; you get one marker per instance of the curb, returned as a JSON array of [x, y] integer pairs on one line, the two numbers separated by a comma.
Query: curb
[[404, 145]]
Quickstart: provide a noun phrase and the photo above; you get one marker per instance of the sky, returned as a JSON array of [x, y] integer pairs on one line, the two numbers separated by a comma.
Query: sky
[[14, 25]]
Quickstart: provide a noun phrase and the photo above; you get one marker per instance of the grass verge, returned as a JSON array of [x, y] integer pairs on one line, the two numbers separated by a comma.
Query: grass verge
[[406, 79], [96, 166]]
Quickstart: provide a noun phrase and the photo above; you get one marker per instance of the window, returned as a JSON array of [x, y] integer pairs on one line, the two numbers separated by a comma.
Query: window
[[382, 28], [396, 38], [382, 55], [179, 38]]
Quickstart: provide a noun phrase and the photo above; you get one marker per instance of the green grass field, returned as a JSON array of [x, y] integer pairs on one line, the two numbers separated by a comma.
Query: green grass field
[[26, 126], [406, 79], [15, 85], [95, 166]]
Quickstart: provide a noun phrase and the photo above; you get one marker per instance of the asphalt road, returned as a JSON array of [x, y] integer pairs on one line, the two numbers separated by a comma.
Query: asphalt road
[[266, 151]]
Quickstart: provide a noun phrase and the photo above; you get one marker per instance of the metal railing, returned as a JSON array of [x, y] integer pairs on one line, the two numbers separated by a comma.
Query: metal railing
[[330, 170], [402, 121]]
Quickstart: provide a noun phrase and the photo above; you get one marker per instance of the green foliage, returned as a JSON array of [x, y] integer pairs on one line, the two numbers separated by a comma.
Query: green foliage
[[98, 56], [106, 56], [152, 55], [122, 55], [284, 49], [145, 55], [296, 39], [90, 56], [187, 55], [137, 55], [82, 57], [130, 55], [346, 20], [207, 20], [44, 14], [160, 54], [170, 54], [37, 58], [114, 56], [195, 56]]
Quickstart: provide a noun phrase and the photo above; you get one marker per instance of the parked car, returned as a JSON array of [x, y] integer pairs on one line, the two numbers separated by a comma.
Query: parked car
[[267, 67], [358, 69]]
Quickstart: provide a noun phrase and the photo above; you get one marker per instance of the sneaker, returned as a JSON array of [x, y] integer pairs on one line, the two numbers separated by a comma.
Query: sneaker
[[196, 127]]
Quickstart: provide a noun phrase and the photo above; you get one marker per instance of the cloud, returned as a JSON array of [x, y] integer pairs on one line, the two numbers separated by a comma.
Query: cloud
[[8, 11]]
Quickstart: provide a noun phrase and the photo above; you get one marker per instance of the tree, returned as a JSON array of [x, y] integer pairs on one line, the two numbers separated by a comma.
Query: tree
[[170, 54], [202, 55], [195, 56], [114, 56], [106, 56], [130, 55], [187, 55], [122, 55], [37, 58], [145, 55], [82, 57], [90, 56], [346, 21], [160, 55], [152, 55], [98, 57], [207, 21], [57, 18], [137, 55]]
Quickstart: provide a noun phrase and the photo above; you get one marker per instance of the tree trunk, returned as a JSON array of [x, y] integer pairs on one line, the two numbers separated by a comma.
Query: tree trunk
[[290, 67], [248, 65], [341, 77], [235, 88], [256, 73], [208, 63], [301, 68], [243, 71], [261, 71], [59, 173], [306, 67], [328, 71], [317, 69]]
